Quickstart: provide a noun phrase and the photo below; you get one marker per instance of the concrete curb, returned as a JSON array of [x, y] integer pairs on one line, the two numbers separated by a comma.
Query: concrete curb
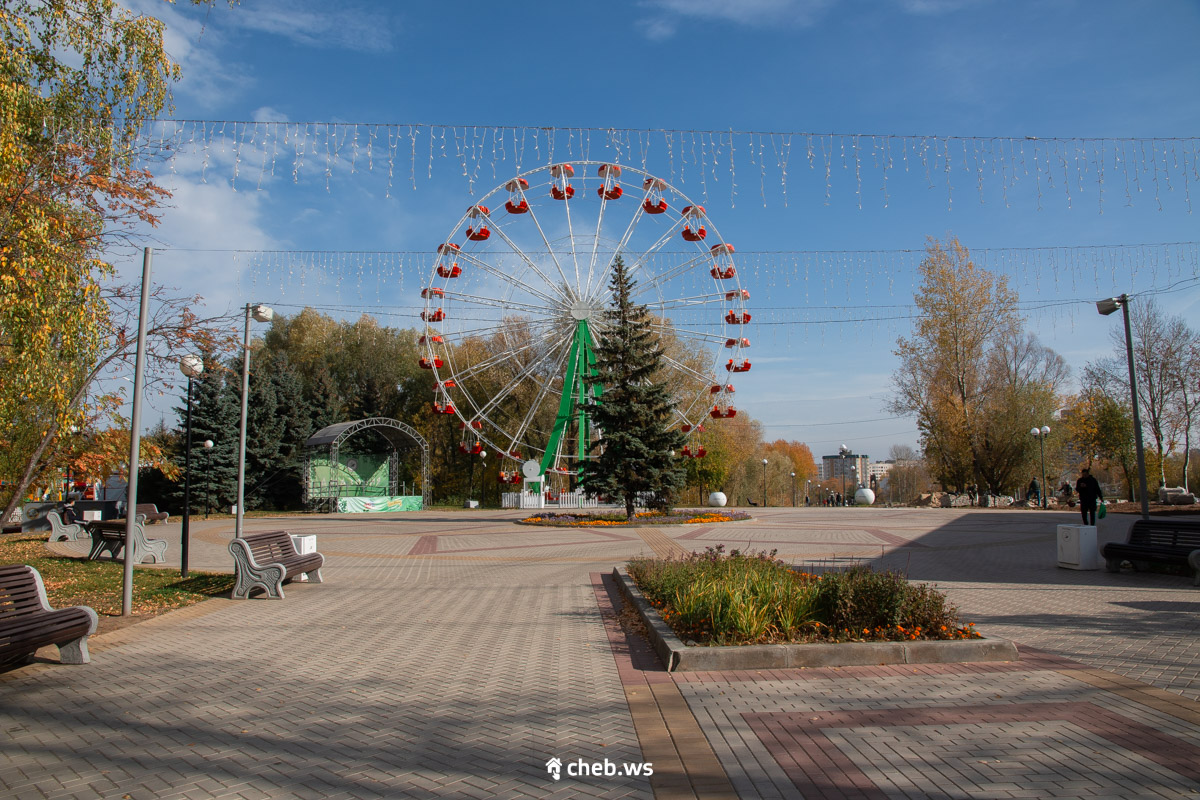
[[678, 656]]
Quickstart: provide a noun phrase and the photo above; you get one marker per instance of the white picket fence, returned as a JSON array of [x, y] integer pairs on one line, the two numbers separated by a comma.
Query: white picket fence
[[538, 500]]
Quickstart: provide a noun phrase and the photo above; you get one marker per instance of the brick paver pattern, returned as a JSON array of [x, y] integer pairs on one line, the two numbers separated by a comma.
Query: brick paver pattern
[[451, 654]]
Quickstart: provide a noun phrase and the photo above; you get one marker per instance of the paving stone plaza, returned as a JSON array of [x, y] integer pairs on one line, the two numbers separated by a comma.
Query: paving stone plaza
[[454, 654]]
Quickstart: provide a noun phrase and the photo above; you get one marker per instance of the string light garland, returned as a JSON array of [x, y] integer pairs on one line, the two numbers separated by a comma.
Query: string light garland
[[809, 278], [859, 165]]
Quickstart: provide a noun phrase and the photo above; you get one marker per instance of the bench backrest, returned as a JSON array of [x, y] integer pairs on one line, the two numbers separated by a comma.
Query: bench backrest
[[19, 594], [270, 547], [1183, 534]]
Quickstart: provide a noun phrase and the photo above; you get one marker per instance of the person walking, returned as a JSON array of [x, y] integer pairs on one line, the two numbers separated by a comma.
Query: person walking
[[1089, 491], [1035, 491]]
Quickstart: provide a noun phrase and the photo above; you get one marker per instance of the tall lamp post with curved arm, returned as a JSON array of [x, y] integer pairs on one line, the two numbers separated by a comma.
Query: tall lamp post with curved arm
[[764, 483], [259, 313], [1105, 307]]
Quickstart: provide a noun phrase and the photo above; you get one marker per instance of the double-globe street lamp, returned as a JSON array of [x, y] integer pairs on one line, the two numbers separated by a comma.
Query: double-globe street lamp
[[192, 367], [260, 313], [843, 451], [1040, 434], [1106, 307]]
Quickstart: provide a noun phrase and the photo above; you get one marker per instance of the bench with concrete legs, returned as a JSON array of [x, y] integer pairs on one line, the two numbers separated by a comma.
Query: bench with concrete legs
[[269, 560], [61, 531], [27, 621]]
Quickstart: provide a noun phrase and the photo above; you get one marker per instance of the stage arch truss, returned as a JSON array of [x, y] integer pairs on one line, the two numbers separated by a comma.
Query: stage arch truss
[[322, 495]]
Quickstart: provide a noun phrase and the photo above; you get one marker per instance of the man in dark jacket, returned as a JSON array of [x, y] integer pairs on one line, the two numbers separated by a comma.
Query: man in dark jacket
[[1088, 489]]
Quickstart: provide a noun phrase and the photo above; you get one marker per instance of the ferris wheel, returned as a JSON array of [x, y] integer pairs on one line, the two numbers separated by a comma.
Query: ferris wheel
[[514, 308]]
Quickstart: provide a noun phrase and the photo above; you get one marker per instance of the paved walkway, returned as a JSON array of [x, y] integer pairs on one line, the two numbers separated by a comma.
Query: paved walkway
[[453, 654]]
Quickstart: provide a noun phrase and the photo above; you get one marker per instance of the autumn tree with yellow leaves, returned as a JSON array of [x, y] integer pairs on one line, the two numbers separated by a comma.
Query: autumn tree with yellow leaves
[[78, 81], [974, 379]]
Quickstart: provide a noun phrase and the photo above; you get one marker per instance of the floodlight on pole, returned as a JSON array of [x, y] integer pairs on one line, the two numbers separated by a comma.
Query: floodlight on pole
[[1108, 306], [191, 366], [259, 313]]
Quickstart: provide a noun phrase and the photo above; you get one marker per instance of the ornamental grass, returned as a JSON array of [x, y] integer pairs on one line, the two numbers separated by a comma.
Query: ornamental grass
[[735, 598]]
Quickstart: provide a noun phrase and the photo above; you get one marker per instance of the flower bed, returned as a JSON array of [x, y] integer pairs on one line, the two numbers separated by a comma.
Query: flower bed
[[714, 598], [677, 517]]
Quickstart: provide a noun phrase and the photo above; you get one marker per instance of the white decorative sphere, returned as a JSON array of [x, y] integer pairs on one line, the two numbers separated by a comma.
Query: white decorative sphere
[[864, 497], [717, 499]]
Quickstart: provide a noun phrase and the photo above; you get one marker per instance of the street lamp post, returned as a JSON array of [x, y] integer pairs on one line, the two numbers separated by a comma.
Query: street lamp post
[[843, 451], [192, 367], [793, 490], [1041, 434], [807, 484], [260, 313], [208, 446], [764, 483], [1106, 307]]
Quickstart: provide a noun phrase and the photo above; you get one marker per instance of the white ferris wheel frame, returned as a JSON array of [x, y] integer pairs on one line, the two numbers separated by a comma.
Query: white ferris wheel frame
[[558, 284]]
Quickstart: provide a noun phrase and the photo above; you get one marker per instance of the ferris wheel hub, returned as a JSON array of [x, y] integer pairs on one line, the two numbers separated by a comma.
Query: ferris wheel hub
[[584, 308]]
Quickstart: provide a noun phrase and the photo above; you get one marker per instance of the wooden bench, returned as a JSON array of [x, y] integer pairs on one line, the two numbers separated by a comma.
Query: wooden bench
[[27, 621], [109, 537], [151, 513], [269, 560], [1158, 541]]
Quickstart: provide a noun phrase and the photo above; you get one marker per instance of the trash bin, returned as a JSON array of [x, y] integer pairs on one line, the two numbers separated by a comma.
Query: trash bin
[[1077, 547], [304, 544]]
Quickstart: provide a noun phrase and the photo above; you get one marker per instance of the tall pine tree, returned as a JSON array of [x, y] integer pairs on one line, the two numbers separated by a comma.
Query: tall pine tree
[[636, 452]]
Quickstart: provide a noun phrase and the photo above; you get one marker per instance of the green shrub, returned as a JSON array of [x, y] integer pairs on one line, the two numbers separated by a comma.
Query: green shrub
[[735, 598]]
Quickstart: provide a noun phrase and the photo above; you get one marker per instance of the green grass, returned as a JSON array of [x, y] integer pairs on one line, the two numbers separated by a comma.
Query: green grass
[[77, 581], [735, 598]]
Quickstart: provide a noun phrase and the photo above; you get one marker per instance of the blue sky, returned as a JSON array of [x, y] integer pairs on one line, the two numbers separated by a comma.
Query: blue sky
[[940, 68]]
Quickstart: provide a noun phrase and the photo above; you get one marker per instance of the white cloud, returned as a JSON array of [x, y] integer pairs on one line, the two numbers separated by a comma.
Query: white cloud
[[657, 29], [934, 7], [666, 14], [193, 43], [339, 25], [268, 114]]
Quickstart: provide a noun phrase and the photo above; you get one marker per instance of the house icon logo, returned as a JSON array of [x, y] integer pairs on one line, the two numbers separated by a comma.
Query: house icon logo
[[554, 767]]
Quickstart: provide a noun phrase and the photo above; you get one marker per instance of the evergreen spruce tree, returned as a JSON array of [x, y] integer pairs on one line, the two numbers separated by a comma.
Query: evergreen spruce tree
[[636, 452], [264, 434], [215, 416], [286, 490]]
